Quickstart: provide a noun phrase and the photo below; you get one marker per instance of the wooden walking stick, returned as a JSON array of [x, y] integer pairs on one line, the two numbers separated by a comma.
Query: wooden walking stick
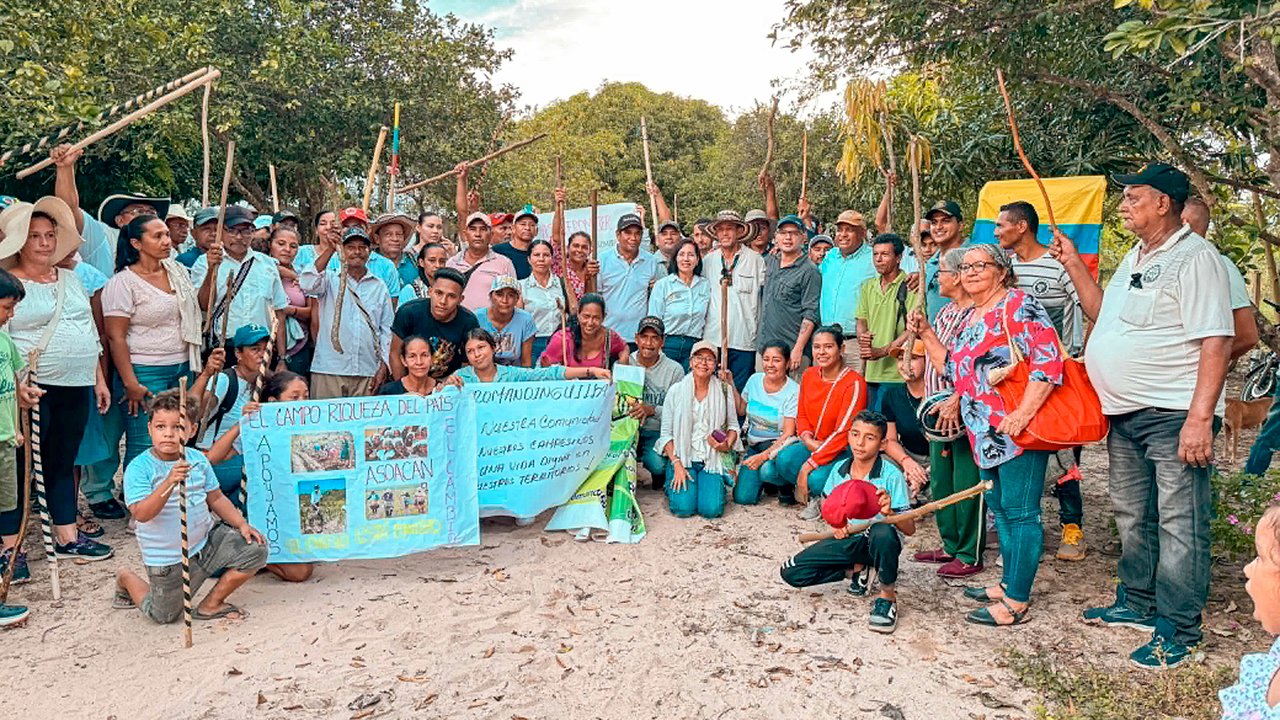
[[557, 230], [182, 511], [27, 497], [675, 208], [648, 176], [804, 166], [1017, 144], [473, 163], [108, 113], [129, 119], [913, 159], [768, 153], [590, 283], [204, 133], [893, 167], [393, 170], [921, 511], [256, 392], [217, 238], [342, 248], [275, 197], [35, 466]]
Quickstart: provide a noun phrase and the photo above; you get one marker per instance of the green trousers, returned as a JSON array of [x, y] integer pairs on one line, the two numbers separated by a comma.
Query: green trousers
[[962, 526]]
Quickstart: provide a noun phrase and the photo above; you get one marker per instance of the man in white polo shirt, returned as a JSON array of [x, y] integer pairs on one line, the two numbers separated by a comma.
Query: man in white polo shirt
[[1157, 357]]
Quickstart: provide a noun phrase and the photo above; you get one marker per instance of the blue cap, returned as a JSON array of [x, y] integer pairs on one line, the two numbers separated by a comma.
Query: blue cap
[[261, 222], [791, 220], [355, 233], [248, 335], [205, 215]]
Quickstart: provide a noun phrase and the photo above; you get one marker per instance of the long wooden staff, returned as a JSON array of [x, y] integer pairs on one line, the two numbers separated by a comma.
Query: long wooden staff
[[804, 166], [675, 207], [921, 511], [108, 113], [589, 283], [726, 279], [256, 392], [393, 169], [768, 153], [27, 496], [182, 511], [913, 159], [35, 466], [275, 197], [217, 238], [893, 167], [204, 134], [342, 247], [557, 230], [1017, 144], [129, 119], [648, 176], [472, 163]]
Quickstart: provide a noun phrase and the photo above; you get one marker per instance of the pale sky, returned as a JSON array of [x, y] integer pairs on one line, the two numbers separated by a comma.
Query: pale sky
[[716, 51]]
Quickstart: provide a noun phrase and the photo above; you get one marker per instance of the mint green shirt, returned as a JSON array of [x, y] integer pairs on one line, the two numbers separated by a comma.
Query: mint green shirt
[[11, 361], [884, 318]]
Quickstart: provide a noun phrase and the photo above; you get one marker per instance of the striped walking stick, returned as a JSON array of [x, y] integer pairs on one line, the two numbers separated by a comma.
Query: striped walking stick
[[182, 510], [36, 468], [253, 397]]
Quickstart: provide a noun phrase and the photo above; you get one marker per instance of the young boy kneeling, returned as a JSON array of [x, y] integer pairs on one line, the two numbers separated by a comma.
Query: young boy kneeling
[[861, 487], [151, 490]]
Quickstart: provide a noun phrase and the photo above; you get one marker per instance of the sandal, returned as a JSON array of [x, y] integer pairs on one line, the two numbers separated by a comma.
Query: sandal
[[226, 610], [979, 594], [983, 616], [122, 600], [89, 528]]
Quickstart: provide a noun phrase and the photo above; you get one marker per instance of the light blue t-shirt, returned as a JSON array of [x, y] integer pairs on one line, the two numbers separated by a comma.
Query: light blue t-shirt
[[99, 246], [765, 411], [160, 538], [93, 280], [220, 386], [890, 480], [842, 280], [408, 294], [379, 267], [510, 339]]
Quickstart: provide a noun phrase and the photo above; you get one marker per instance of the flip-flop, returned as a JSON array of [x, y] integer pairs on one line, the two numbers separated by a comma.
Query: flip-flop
[[122, 600], [983, 616], [222, 613]]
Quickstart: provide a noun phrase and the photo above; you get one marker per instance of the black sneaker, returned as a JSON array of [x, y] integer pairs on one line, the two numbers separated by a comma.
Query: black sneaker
[[108, 510], [884, 616], [83, 548], [861, 583]]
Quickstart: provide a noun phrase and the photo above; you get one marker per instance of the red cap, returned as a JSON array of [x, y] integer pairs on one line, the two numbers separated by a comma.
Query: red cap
[[499, 218], [352, 213], [851, 500]]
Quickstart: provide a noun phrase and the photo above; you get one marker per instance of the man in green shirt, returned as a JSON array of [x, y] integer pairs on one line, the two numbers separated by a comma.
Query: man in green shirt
[[882, 315]]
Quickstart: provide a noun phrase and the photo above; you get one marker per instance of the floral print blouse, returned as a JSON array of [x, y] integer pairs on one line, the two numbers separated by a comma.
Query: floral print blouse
[[981, 347], [1247, 699]]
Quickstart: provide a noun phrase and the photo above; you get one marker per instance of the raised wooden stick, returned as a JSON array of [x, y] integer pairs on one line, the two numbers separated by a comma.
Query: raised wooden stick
[[109, 112], [129, 119], [675, 209], [893, 167], [473, 163], [648, 175], [256, 393], [804, 165], [27, 496], [36, 467], [334, 332], [557, 238], [275, 197], [921, 511], [182, 511], [589, 283], [1017, 144], [768, 153], [204, 133], [913, 159], [217, 238]]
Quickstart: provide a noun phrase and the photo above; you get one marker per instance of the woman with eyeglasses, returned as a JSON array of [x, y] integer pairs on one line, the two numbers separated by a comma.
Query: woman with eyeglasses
[[1002, 314]]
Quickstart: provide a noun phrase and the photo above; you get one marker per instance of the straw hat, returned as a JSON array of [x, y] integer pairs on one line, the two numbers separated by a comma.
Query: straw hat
[[15, 222], [729, 216], [404, 221]]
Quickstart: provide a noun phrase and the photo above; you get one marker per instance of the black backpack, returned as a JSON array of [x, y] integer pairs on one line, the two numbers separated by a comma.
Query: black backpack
[[228, 400]]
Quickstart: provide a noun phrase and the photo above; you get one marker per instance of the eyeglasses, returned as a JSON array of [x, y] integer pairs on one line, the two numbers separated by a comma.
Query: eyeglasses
[[976, 267], [238, 230], [700, 358]]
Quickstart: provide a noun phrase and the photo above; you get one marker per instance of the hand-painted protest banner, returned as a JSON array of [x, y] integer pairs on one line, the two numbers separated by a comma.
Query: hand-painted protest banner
[[362, 477], [537, 441], [579, 219], [604, 506]]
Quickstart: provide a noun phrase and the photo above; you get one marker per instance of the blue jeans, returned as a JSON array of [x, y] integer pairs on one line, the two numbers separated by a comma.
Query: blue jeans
[[1015, 501], [652, 460], [1267, 442], [1161, 509], [228, 473], [703, 493], [98, 480], [678, 347], [539, 344], [742, 363], [793, 457], [751, 482]]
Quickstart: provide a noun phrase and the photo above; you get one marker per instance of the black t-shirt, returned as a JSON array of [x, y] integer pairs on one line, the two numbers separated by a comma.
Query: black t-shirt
[[447, 340], [518, 257], [392, 388], [899, 406]]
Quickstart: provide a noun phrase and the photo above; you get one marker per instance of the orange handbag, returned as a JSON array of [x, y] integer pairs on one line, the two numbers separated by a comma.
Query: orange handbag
[[1070, 416]]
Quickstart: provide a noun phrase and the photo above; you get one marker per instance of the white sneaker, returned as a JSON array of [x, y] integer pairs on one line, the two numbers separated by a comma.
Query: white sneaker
[[813, 510]]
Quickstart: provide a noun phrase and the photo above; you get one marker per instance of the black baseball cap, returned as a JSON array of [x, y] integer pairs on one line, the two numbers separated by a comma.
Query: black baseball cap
[[668, 224], [950, 208], [629, 220], [652, 323], [237, 215], [1167, 179]]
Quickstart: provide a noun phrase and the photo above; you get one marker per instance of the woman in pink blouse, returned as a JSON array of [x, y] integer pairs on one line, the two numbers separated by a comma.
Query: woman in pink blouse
[[298, 342], [586, 342]]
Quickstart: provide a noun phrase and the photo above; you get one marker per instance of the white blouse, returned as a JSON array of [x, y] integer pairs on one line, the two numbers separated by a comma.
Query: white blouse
[[71, 358], [544, 303]]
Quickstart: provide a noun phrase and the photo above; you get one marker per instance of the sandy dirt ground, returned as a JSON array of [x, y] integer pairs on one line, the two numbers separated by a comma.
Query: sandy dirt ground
[[693, 622]]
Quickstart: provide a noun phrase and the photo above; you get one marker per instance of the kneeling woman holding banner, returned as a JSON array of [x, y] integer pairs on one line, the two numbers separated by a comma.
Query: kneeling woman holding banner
[[480, 349], [699, 437]]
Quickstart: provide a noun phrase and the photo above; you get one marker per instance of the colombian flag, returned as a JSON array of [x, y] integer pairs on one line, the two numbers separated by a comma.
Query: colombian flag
[[1077, 206]]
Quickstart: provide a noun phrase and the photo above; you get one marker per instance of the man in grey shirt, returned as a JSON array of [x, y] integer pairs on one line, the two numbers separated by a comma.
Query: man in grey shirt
[[660, 373], [792, 290]]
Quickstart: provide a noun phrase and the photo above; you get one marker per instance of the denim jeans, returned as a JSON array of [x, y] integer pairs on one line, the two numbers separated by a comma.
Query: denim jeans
[[229, 474], [677, 347], [539, 344], [1162, 512], [751, 482], [1268, 440], [1015, 501], [703, 493], [742, 363], [652, 460], [793, 457], [98, 480]]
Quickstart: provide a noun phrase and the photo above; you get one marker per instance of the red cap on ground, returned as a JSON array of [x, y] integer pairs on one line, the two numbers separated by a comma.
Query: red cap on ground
[[851, 500]]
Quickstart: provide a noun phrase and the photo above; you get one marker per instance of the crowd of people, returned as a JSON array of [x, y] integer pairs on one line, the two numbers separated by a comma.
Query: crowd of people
[[846, 375]]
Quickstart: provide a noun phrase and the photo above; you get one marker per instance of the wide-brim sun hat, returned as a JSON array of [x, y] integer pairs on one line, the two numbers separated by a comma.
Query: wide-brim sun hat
[[114, 204], [15, 221], [404, 221], [730, 216]]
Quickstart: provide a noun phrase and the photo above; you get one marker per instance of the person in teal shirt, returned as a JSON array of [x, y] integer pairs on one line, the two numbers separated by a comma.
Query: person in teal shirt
[[480, 347], [844, 270]]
